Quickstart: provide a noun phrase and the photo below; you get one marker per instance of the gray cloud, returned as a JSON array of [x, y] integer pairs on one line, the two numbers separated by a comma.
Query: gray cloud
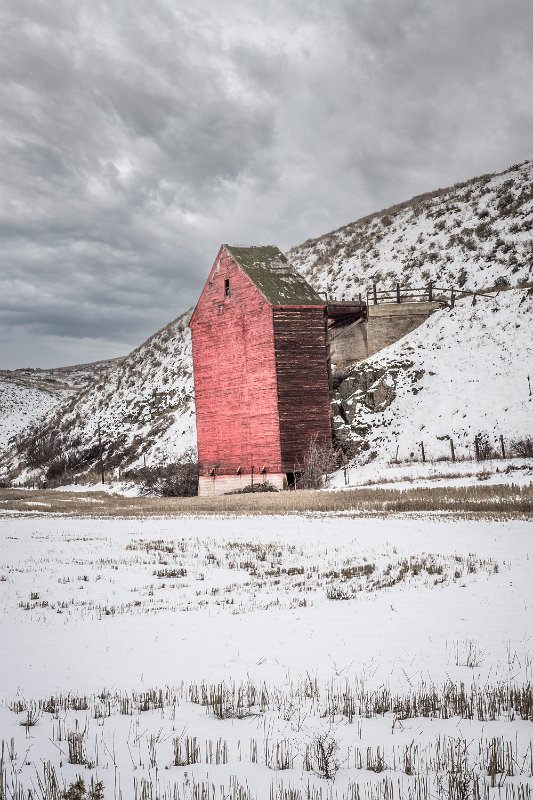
[[137, 136]]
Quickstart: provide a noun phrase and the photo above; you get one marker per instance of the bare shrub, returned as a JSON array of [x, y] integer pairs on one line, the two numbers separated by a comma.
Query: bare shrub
[[32, 717], [321, 756], [256, 487], [179, 479], [339, 593], [171, 572], [77, 791], [523, 448], [320, 460], [41, 447], [485, 448]]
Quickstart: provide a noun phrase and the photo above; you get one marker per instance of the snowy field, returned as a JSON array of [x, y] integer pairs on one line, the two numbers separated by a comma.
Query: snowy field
[[266, 657]]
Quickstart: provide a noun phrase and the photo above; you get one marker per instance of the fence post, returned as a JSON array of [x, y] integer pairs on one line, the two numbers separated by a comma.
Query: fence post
[[102, 474], [502, 445], [452, 448], [375, 293], [423, 452], [476, 445], [398, 294], [452, 298], [430, 292]]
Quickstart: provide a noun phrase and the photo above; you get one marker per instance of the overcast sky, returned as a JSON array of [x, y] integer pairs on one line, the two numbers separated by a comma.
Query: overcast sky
[[137, 136]]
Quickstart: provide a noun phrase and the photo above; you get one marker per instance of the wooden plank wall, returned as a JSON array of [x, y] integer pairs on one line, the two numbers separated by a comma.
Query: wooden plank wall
[[303, 384], [235, 375]]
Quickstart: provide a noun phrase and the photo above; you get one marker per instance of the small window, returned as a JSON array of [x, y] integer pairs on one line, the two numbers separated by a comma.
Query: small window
[[227, 292]]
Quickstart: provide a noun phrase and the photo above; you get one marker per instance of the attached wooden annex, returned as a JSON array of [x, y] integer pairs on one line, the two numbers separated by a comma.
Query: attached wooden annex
[[260, 370]]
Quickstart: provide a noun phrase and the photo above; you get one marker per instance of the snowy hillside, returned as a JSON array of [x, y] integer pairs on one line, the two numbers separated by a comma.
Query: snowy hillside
[[143, 405], [476, 234], [462, 373], [28, 396], [21, 406]]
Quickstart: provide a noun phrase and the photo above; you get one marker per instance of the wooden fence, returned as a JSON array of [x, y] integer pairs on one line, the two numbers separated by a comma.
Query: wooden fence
[[426, 294], [482, 447]]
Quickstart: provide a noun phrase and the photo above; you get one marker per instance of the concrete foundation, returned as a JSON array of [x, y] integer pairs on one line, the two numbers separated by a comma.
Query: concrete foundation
[[387, 322], [222, 484]]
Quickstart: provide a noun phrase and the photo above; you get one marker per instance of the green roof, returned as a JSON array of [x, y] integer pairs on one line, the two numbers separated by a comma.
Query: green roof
[[278, 281]]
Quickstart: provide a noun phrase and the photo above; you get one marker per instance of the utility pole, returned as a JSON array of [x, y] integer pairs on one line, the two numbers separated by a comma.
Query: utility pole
[[102, 474]]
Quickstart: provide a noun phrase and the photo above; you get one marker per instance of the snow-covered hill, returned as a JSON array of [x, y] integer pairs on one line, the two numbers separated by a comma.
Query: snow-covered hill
[[143, 405], [476, 234], [463, 373], [28, 396]]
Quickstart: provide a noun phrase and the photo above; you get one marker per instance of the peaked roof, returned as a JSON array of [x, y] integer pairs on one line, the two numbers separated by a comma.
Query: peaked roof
[[278, 281]]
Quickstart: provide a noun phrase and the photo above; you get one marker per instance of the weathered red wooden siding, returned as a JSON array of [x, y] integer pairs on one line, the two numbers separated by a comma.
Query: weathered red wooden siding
[[303, 383], [235, 375]]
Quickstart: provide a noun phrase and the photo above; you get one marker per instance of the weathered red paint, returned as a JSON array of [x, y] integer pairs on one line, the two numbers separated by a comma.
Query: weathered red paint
[[260, 375]]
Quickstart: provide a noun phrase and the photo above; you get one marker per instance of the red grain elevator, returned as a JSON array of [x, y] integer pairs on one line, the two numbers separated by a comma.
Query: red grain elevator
[[259, 341]]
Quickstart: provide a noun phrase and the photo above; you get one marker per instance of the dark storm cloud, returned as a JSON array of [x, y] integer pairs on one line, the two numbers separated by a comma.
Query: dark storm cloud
[[137, 136]]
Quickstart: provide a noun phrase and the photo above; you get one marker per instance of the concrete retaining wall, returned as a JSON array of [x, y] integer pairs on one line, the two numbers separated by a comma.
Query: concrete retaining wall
[[387, 322]]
